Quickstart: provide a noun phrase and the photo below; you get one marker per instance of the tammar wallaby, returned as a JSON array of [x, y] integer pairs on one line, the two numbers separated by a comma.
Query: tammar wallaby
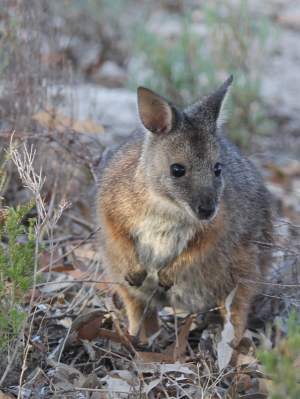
[[182, 215]]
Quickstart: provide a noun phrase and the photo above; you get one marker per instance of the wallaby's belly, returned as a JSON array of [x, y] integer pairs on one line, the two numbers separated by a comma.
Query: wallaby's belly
[[159, 242]]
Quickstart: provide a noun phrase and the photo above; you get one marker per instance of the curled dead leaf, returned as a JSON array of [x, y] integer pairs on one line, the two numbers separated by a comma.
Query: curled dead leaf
[[177, 349], [88, 325], [154, 357], [53, 120], [4, 396], [297, 362], [245, 360], [224, 349]]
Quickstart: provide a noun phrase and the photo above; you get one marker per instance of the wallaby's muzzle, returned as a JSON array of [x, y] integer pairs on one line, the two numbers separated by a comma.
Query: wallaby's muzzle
[[206, 206], [205, 213]]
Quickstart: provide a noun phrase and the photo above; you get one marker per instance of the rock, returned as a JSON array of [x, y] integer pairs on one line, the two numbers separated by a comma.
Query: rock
[[86, 54], [290, 19], [110, 74], [165, 26], [280, 80], [114, 109]]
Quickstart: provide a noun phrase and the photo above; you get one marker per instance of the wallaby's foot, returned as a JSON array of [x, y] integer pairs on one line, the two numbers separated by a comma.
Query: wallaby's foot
[[238, 315], [143, 322], [136, 278], [136, 341], [149, 326], [239, 325], [235, 342], [164, 280]]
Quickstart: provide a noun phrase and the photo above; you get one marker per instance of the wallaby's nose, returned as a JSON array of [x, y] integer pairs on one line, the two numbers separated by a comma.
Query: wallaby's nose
[[206, 203], [206, 213]]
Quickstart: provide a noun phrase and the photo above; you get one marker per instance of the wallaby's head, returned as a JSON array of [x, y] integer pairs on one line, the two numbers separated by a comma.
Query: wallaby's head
[[181, 155]]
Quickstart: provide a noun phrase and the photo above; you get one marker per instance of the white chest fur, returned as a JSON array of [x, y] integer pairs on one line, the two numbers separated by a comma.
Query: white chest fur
[[160, 238]]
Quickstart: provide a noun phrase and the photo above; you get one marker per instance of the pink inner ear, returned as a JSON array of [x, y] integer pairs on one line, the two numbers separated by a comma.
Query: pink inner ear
[[156, 114], [162, 118], [158, 117]]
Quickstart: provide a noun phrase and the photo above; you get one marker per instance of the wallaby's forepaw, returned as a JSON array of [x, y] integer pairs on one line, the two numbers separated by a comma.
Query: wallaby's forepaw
[[136, 278], [235, 343], [164, 280]]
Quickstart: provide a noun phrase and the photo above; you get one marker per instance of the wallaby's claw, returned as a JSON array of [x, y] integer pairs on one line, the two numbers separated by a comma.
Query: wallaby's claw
[[164, 281], [166, 287], [136, 279], [234, 344]]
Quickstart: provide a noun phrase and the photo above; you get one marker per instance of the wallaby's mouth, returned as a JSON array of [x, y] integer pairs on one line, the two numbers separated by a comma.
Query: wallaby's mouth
[[200, 214], [206, 213]]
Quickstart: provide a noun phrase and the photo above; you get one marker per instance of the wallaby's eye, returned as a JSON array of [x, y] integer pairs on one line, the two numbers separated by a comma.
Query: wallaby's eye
[[218, 169], [177, 170]]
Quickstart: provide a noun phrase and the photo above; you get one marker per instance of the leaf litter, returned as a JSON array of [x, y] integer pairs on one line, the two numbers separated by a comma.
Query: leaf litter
[[80, 347]]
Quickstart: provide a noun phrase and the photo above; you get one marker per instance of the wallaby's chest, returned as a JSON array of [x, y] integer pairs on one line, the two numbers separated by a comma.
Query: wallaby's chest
[[160, 239]]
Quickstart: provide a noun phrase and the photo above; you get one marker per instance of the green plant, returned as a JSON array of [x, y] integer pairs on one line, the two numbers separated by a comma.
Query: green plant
[[17, 247], [191, 65], [239, 44], [283, 363], [170, 67]]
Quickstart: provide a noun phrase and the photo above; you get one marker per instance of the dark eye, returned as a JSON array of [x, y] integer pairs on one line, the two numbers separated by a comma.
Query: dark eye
[[177, 170], [218, 169]]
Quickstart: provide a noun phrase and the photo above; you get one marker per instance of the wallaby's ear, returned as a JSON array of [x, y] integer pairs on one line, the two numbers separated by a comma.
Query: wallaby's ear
[[214, 103], [156, 114]]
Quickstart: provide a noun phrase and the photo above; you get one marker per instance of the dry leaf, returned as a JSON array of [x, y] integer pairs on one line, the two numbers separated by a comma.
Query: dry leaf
[[86, 252], [245, 360], [116, 385], [92, 381], [124, 374], [178, 349], [290, 20], [88, 325], [243, 382], [153, 384], [66, 322], [110, 335], [88, 347], [53, 120], [264, 386], [45, 259], [59, 268], [36, 297], [297, 362], [224, 349], [125, 338], [100, 395], [154, 357], [157, 367], [60, 282], [176, 367], [4, 396], [66, 375]]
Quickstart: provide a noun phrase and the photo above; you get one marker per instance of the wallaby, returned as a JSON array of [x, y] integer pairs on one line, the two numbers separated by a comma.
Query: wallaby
[[184, 215]]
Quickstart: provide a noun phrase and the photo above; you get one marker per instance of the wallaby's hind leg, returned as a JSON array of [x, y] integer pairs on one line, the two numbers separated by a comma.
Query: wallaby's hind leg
[[248, 277], [240, 310], [139, 323]]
